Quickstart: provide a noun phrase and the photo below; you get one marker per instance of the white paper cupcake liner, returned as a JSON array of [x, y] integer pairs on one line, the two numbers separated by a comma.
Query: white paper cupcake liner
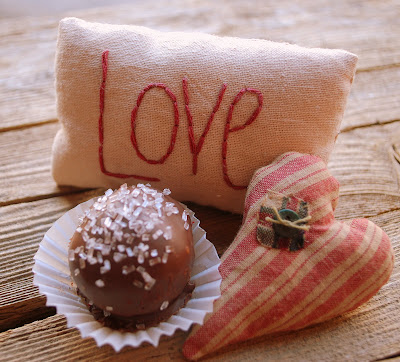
[[52, 276]]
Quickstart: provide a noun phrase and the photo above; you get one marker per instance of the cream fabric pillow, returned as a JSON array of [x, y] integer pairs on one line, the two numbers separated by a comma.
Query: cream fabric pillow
[[192, 112]]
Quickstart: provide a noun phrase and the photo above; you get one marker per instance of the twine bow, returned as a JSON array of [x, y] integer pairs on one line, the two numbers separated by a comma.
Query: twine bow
[[288, 223]]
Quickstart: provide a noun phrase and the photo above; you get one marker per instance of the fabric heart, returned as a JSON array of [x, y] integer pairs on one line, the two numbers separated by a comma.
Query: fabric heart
[[292, 264]]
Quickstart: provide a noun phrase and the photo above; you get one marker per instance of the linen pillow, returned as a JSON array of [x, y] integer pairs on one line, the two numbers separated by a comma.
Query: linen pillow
[[193, 112]]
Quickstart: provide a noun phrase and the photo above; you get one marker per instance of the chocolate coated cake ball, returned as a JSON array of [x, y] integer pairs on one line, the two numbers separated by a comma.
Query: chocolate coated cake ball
[[131, 257]]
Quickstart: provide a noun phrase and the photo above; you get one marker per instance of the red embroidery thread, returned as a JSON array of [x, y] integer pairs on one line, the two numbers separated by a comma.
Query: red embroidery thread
[[101, 127], [195, 149], [174, 128], [228, 130]]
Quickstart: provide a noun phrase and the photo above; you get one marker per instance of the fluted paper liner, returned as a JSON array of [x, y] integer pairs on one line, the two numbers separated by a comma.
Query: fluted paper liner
[[52, 276]]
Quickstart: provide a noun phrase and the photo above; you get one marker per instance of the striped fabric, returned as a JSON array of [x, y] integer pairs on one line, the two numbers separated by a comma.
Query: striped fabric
[[266, 290]]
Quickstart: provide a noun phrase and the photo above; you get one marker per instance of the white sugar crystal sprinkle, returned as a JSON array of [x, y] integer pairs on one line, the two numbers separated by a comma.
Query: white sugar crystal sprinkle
[[106, 267], [118, 257], [106, 250], [168, 233], [76, 272], [149, 226], [184, 215], [135, 192], [186, 225], [155, 261], [128, 269], [168, 249], [121, 248], [85, 236], [99, 257], [143, 247], [164, 305], [82, 263], [166, 192], [109, 308], [148, 286], [118, 235], [138, 283], [137, 212], [92, 260], [78, 229], [140, 269], [107, 222], [157, 234], [140, 259], [149, 280], [129, 239], [145, 237], [99, 283], [108, 192], [164, 258], [154, 253], [71, 255], [91, 250], [129, 251]]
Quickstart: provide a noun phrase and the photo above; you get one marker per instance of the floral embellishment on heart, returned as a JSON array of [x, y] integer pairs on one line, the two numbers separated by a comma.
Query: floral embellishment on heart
[[283, 222]]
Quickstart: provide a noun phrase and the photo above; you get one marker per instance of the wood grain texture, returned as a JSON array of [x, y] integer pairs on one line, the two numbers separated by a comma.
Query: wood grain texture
[[19, 298], [25, 170], [28, 45], [374, 99], [366, 161]]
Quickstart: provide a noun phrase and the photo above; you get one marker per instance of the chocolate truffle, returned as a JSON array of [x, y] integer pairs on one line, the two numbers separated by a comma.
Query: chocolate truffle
[[131, 256]]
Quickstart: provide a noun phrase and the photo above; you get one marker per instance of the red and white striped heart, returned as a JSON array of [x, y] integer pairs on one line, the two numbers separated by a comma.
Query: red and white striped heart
[[292, 264]]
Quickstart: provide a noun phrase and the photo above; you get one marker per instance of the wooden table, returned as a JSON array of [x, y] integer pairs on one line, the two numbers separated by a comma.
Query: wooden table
[[366, 161]]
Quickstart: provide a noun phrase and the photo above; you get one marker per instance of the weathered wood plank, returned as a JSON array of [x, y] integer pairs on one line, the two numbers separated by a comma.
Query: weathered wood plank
[[28, 45], [19, 299], [366, 161], [364, 334], [25, 165], [374, 99]]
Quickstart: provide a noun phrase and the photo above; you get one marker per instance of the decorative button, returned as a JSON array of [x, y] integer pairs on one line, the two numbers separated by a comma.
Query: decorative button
[[283, 230]]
